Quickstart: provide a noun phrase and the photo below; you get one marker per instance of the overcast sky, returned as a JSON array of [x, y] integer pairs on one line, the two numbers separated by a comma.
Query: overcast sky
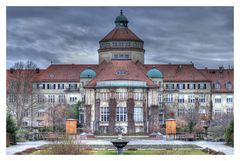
[[203, 35]]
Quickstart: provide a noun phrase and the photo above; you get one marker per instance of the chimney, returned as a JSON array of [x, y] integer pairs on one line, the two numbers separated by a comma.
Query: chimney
[[11, 70], [221, 69], [179, 68], [37, 70]]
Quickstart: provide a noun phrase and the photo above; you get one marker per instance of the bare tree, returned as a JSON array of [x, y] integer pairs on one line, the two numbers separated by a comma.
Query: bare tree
[[20, 90], [56, 116]]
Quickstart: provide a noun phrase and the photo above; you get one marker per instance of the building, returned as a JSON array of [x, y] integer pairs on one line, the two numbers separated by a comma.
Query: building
[[124, 91]]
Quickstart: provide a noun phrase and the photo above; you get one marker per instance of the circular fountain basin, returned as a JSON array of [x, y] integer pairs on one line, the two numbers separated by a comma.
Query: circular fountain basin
[[119, 144]]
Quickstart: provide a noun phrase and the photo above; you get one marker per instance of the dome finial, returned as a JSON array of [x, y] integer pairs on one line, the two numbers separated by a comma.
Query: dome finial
[[121, 20]]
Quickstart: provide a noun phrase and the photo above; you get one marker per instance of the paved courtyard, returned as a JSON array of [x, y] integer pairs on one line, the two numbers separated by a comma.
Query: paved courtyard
[[217, 146]]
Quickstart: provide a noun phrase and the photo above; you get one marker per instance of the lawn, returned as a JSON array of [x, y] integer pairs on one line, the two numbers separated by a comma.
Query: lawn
[[136, 152], [151, 152]]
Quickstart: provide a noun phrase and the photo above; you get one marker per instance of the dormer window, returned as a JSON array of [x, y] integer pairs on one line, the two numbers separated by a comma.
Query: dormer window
[[217, 85], [228, 85], [121, 72]]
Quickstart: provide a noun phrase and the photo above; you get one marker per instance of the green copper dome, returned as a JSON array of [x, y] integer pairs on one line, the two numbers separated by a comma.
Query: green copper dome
[[88, 73], [154, 73], [121, 20]]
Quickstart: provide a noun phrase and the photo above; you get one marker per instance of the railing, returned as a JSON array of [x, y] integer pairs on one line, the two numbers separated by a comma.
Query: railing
[[121, 83], [45, 136]]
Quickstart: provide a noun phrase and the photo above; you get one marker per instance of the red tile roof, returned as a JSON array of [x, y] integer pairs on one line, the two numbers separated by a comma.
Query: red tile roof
[[177, 72], [135, 71], [15, 75], [119, 34], [109, 73], [222, 77], [63, 72]]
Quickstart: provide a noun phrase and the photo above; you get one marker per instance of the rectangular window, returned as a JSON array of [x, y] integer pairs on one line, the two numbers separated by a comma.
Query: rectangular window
[[191, 110], [191, 86], [229, 111], [191, 99], [104, 96], [73, 99], [160, 98], [40, 114], [121, 114], [40, 98], [51, 86], [51, 98], [25, 99], [60, 86], [181, 112], [202, 86], [26, 114], [122, 95], [218, 99], [217, 113], [138, 96], [24, 124], [181, 99], [104, 114], [181, 86], [169, 98], [202, 98], [72, 86], [169, 86], [12, 98], [40, 86], [229, 99], [61, 98], [138, 114], [126, 56], [115, 56]]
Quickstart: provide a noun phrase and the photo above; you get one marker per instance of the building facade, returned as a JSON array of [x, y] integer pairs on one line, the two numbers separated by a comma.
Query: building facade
[[124, 91]]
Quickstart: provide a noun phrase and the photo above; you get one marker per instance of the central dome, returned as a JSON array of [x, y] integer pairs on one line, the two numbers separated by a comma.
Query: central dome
[[121, 43]]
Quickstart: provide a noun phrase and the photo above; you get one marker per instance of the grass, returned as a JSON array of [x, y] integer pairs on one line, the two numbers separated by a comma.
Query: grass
[[151, 152], [135, 152]]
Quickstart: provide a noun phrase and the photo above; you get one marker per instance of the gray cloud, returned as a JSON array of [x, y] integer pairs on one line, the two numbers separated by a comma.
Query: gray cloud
[[203, 35]]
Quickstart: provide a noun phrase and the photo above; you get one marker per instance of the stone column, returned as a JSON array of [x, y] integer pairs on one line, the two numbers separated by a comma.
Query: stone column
[[130, 114], [97, 115], [88, 116], [112, 115], [154, 119], [145, 116]]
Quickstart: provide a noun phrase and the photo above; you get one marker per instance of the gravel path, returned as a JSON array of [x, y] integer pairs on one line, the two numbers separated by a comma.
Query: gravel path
[[24, 145]]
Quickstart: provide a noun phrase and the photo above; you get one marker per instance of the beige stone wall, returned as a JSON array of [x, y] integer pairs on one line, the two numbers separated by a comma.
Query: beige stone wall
[[224, 105], [134, 55]]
